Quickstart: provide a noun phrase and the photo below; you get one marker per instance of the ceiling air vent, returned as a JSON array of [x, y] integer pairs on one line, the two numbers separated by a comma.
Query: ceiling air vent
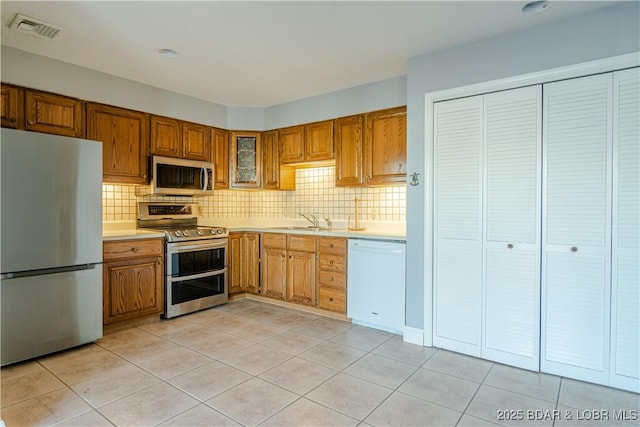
[[34, 26]]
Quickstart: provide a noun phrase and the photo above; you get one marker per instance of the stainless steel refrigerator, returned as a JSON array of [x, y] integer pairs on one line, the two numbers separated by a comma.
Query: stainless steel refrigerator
[[51, 243]]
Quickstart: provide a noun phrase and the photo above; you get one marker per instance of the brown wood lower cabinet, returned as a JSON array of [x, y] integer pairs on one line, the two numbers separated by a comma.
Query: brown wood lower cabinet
[[274, 266], [133, 279], [301, 269], [332, 274], [244, 263], [289, 268], [309, 270]]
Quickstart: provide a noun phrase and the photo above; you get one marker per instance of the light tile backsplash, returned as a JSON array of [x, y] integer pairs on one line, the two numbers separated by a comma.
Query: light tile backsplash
[[315, 193]]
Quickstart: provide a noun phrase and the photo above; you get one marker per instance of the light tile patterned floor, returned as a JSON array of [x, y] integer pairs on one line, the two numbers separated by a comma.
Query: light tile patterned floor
[[253, 363]]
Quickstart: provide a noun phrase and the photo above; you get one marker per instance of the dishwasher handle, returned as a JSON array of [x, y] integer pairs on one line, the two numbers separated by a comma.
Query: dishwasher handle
[[372, 250]]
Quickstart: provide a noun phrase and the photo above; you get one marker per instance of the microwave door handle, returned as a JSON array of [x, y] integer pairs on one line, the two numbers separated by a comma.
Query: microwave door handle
[[203, 178]]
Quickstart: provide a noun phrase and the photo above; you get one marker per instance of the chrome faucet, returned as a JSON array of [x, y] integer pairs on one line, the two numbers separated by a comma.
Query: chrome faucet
[[312, 219]]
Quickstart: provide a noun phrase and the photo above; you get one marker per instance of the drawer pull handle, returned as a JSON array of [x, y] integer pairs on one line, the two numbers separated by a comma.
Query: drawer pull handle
[[574, 249], [134, 250], [331, 279], [330, 262], [510, 246], [374, 313], [331, 245]]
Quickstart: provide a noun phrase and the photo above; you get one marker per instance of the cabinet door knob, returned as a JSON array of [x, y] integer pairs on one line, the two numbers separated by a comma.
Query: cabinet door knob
[[30, 122], [331, 245], [574, 249], [330, 262], [331, 299], [134, 250], [12, 119], [331, 279], [510, 246]]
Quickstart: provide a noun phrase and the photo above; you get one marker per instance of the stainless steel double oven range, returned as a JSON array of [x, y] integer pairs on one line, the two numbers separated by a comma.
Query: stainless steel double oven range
[[195, 257]]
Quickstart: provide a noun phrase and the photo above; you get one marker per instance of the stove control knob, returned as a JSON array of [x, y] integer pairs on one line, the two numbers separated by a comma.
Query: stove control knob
[[177, 233], [219, 231], [199, 232], [185, 233], [213, 231]]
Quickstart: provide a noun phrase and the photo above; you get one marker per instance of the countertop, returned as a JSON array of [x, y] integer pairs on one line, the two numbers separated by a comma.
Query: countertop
[[125, 230]]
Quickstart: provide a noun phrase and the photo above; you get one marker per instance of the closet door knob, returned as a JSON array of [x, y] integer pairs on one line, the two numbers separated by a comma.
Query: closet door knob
[[574, 249]]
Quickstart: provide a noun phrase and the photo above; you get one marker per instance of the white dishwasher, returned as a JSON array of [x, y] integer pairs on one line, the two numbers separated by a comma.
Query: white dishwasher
[[376, 284]]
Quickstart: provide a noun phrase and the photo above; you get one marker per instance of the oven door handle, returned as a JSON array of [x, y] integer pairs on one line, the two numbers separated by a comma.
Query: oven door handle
[[195, 247], [197, 276]]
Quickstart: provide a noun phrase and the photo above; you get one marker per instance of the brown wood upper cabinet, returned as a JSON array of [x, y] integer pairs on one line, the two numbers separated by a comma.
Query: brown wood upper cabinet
[[319, 141], [124, 135], [348, 143], [274, 175], [220, 156], [312, 142], [292, 144], [245, 159], [12, 107], [166, 136], [37, 111], [196, 142], [385, 147], [56, 114], [271, 160], [176, 138]]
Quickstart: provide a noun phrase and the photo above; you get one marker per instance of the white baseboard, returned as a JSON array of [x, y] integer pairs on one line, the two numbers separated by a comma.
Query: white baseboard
[[413, 335]]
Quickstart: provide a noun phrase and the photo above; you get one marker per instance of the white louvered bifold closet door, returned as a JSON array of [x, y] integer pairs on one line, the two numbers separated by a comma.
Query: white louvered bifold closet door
[[576, 228], [625, 286], [512, 186], [458, 227]]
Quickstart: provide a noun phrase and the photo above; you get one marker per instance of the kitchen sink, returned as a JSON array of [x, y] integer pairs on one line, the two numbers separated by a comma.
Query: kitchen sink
[[307, 228]]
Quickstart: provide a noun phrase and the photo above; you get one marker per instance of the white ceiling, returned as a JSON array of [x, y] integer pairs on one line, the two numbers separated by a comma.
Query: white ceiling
[[258, 54]]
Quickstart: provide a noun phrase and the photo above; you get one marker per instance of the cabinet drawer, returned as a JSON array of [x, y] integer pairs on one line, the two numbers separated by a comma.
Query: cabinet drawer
[[132, 249], [302, 243], [333, 245], [332, 262], [332, 299], [332, 278], [276, 241]]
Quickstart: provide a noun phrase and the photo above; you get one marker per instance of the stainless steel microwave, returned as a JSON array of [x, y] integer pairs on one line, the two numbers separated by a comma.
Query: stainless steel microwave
[[181, 177]]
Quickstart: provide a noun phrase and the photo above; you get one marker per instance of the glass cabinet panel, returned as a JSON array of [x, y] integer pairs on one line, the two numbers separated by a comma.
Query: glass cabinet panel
[[246, 160]]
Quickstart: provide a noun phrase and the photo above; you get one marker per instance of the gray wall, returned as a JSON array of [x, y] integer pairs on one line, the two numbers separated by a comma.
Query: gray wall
[[38, 72], [370, 97], [604, 33]]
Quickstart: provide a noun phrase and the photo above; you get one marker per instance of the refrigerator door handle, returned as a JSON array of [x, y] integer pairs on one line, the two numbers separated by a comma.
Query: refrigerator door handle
[[18, 274]]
